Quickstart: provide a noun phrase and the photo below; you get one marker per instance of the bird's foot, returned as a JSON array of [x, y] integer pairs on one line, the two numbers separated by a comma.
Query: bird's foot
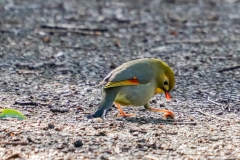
[[168, 114], [122, 113], [125, 115]]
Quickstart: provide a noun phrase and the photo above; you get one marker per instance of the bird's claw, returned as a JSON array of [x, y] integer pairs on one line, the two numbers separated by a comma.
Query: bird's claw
[[168, 114], [125, 115]]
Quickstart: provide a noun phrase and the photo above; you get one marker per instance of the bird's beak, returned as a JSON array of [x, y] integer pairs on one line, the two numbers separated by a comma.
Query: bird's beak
[[167, 95]]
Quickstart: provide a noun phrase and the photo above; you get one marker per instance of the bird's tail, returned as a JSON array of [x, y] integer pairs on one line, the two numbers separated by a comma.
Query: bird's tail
[[107, 101]]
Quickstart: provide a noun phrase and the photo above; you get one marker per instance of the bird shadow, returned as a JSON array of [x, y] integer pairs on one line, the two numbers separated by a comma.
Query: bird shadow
[[149, 120]]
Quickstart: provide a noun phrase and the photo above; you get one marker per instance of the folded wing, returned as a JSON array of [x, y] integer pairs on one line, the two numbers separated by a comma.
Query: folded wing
[[131, 73]]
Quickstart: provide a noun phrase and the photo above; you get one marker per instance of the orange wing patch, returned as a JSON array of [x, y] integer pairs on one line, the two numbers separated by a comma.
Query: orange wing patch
[[134, 80], [129, 82]]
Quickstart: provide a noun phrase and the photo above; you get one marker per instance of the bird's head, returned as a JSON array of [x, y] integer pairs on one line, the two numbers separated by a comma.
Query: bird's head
[[165, 79]]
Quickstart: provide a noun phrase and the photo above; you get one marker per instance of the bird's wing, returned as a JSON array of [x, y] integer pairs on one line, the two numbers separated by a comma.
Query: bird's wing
[[131, 73]]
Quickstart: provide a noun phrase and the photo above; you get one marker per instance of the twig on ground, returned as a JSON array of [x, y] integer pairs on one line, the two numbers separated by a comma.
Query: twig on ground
[[195, 154], [44, 104], [32, 103], [22, 71], [219, 58], [66, 28], [5, 31], [213, 116], [26, 103], [13, 156], [70, 26], [182, 123], [33, 141], [71, 31], [193, 41], [40, 64], [61, 110], [215, 103], [73, 47], [14, 143], [229, 68]]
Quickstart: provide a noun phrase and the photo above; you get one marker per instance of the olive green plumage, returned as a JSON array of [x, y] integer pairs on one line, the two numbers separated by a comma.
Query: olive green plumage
[[134, 83]]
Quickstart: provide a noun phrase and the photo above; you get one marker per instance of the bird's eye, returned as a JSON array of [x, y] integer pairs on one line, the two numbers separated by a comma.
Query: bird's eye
[[165, 82]]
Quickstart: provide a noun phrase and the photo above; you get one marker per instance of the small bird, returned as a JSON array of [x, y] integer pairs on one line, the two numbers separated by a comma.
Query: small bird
[[133, 84]]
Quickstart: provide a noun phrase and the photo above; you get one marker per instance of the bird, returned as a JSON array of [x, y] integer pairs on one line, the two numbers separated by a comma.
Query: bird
[[134, 83]]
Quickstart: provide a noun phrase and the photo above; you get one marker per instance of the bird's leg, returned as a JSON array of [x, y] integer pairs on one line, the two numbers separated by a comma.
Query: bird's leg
[[166, 114], [122, 113]]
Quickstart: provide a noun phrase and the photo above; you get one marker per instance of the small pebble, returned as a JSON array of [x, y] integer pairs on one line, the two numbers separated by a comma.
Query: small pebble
[[50, 126], [78, 143]]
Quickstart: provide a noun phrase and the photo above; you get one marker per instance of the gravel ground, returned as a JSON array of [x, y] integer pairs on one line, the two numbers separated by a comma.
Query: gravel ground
[[54, 53]]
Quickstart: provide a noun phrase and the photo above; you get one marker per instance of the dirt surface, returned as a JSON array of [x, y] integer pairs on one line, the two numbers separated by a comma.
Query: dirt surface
[[54, 53]]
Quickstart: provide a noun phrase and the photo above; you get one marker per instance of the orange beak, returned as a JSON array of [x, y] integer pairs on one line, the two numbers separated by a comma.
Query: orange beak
[[167, 95]]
